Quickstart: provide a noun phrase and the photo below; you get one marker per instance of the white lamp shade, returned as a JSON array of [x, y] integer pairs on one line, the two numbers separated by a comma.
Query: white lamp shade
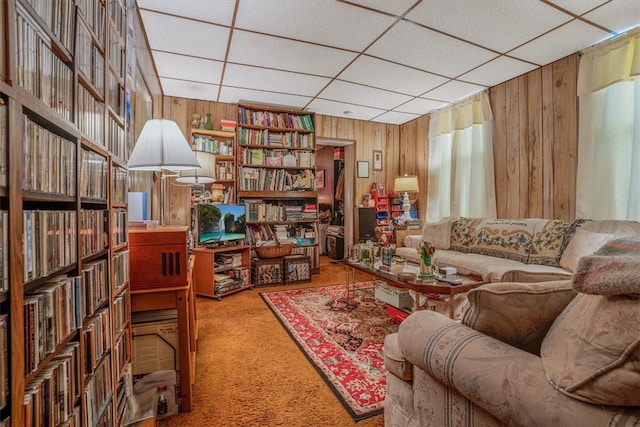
[[161, 145], [407, 183], [204, 175]]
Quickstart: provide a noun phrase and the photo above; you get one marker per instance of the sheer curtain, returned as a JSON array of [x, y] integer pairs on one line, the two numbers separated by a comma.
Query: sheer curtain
[[461, 178], [608, 179]]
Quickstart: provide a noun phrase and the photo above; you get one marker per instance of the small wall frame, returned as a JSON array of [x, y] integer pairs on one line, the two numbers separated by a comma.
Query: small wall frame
[[363, 169], [377, 160]]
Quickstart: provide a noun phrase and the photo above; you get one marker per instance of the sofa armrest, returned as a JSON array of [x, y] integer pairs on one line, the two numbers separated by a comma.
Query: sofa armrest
[[507, 382], [519, 314]]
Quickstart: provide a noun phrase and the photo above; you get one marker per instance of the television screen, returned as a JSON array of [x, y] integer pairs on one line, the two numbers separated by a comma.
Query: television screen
[[220, 222]]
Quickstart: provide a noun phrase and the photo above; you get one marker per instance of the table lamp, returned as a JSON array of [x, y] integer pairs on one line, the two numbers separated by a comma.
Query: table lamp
[[204, 175], [407, 184], [162, 146]]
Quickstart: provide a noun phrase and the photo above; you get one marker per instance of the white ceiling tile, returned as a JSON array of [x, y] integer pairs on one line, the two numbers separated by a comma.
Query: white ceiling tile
[[233, 95], [617, 15], [390, 76], [453, 91], [578, 6], [188, 89], [328, 23], [187, 67], [429, 50], [497, 24], [497, 71], [396, 7], [215, 11], [395, 118], [338, 109], [362, 95], [561, 42], [273, 80], [265, 51], [420, 106], [162, 30]]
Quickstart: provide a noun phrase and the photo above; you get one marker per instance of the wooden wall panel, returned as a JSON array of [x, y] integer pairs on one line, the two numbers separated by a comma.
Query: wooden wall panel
[[535, 145]]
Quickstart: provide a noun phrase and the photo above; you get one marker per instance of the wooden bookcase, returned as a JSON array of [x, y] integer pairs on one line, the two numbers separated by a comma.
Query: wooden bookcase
[[223, 146], [65, 301], [215, 273], [276, 177]]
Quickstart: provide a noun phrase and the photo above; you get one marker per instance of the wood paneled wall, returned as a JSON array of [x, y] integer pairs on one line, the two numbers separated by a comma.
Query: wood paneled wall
[[535, 146]]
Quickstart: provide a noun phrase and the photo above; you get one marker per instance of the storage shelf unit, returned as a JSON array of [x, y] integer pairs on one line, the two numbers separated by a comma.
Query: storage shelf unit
[[276, 177], [64, 285], [223, 146], [222, 271]]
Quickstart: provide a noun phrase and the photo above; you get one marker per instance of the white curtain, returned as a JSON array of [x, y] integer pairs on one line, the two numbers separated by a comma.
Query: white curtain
[[461, 177], [608, 178]]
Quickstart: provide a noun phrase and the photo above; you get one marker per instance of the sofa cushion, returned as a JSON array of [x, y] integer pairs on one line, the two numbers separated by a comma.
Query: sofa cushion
[[517, 313], [583, 243], [437, 233], [612, 270], [504, 238], [592, 350], [546, 248], [619, 228]]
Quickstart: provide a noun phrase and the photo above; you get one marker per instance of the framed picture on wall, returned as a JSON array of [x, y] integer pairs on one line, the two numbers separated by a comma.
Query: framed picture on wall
[[377, 160], [363, 169], [320, 179]]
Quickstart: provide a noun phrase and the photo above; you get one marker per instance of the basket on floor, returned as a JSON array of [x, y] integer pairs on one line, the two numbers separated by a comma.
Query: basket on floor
[[274, 251]]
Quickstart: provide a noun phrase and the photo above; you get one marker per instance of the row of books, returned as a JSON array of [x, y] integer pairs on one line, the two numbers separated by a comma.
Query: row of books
[[4, 136], [51, 314], [117, 56], [97, 333], [276, 158], [95, 284], [117, 144], [119, 226], [120, 312], [117, 13], [259, 210], [93, 175], [212, 144], [40, 71], [274, 119], [269, 138], [88, 57], [49, 161], [50, 397], [90, 118], [116, 96], [4, 251], [259, 179], [228, 260], [50, 241], [96, 398], [59, 16], [4, 360], [120, 185], [94, 14], [93, 224], [120, 272]]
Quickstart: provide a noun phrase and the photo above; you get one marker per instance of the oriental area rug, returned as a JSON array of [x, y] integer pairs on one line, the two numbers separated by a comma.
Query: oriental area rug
[[343, 338]]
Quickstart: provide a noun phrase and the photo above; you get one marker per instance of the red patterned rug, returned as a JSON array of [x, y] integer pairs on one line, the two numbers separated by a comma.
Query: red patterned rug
[[342, 338]]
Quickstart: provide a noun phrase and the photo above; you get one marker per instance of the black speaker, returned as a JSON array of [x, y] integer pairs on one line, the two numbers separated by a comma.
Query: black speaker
[[366, 223]]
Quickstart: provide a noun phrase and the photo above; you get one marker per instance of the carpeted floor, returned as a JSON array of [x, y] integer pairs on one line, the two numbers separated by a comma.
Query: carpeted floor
[[342, 336], [249, 372]]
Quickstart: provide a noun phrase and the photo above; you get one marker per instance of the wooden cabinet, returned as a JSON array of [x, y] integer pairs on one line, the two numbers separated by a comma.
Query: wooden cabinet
[[221, 271], [276, 177], [158, 256]]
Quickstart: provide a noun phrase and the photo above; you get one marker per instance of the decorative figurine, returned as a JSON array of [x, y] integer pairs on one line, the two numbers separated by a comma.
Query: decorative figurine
[[426, 251]]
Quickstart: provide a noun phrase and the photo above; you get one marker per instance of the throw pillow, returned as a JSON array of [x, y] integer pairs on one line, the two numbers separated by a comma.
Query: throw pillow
[[612, 270], [519, 314], [582, 243], [592, 350], [503, 238], [438, 234], [546, 248]]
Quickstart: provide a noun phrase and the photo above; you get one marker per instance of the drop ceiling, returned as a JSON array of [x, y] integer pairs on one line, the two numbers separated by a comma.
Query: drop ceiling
[[387, 61]]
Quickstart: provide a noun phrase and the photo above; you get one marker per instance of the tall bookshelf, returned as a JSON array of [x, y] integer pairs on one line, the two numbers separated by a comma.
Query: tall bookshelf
[[223, 146], [64, 293], [276, 177]]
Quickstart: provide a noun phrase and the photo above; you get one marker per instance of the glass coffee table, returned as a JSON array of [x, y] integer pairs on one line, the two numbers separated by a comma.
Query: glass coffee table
[[421, 288]]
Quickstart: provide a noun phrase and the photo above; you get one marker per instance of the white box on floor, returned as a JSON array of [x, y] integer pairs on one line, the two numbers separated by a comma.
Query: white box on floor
[[399, 298], [154, 346]]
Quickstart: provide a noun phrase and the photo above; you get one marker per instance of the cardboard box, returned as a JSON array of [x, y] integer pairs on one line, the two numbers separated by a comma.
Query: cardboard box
[[154, 346], [399, 298]]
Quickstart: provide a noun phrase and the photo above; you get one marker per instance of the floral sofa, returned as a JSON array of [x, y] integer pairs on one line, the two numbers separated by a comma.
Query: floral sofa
[[515, 250], [558, 353]]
